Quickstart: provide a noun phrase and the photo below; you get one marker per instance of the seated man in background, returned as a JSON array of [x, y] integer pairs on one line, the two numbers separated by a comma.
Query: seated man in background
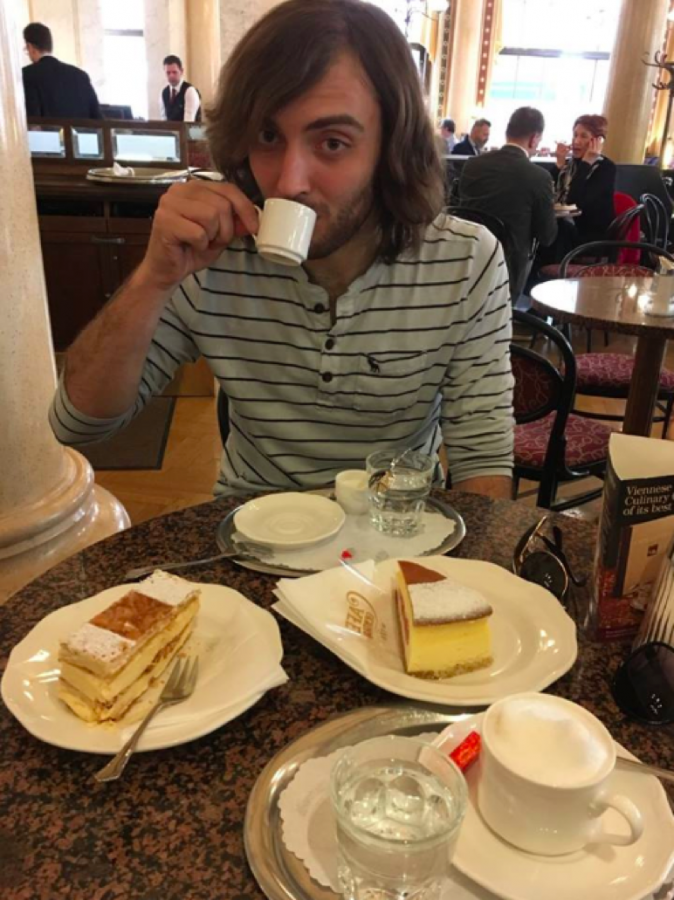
[[507, 185], [53, 88], [474, 143], [395, 333], [447, 135]]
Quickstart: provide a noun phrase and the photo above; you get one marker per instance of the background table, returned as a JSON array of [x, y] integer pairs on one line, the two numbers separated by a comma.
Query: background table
[[613, 304], [171, 828]]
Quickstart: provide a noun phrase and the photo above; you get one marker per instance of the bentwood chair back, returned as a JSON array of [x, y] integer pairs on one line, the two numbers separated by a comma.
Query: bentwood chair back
[[657, 220], [480, 217], [552, 445]]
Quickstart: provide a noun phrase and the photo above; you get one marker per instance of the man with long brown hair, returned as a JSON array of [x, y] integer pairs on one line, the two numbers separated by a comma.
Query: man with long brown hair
[[394, 333]]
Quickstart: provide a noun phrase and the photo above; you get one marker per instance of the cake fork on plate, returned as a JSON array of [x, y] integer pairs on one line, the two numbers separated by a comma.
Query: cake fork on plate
[[179, 687]]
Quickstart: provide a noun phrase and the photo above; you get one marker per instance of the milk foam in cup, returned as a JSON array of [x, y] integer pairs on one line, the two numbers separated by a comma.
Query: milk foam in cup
[[543, 775], [540, 741], [285, 231], [351, 491]]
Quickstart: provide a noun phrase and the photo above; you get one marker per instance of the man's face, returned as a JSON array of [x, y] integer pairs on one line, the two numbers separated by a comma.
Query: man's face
[[173, 74], [322, 150], [446, 133], [480, 135]]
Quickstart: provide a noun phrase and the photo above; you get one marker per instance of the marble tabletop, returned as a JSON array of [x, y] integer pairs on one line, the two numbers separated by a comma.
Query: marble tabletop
[[614, 303], [171, 828]]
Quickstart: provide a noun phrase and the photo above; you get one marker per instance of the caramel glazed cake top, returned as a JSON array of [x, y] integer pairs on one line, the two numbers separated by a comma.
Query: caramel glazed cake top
[[105, 643], [438, 600]]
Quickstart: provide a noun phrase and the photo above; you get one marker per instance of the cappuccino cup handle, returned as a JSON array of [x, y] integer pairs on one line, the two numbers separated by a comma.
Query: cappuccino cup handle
[[627, 810]]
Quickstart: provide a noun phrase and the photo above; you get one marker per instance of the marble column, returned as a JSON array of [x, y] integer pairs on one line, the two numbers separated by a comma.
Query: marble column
[[203, 30], [465, 62], [658, 123], [236, 17], [629, 95], [49, 504], [88, 22]]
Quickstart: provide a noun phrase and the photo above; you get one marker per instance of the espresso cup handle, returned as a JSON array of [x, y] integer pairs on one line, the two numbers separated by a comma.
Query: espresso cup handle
[[627, 810], [259, 215]]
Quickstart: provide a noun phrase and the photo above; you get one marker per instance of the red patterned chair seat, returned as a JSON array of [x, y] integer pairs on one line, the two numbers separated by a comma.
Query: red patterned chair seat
[[611, 371], [552, 270], [586, 442], [605, 270]]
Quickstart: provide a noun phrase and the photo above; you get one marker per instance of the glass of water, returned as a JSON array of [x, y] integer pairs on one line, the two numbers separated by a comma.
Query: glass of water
[[398, 486], [398, 804]]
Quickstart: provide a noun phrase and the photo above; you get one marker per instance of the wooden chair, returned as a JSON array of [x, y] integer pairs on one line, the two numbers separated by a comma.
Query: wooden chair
[[625, 226], [657, 220], [480, 217], [552, 446], [610, 374]]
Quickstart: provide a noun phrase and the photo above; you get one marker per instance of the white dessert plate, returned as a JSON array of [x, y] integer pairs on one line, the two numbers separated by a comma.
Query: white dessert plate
[[533, 638], [289, 521], [239, 649], [599, 872]]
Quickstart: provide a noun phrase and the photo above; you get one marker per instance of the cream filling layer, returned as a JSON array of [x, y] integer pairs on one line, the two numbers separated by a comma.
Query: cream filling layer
[[104, 690], [96, 712]]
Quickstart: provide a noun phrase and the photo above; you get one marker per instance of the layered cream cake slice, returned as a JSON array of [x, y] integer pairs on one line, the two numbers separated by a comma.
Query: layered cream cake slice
[[444, 625], [108, 663]]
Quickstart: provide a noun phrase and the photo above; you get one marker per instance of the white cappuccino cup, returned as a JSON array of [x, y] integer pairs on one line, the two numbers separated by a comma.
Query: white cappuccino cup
[[351, 491], [285, 232], [544, 767]]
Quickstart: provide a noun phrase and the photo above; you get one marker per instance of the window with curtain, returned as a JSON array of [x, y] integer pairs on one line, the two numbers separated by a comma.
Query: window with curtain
[[555, 56], [124, 55]]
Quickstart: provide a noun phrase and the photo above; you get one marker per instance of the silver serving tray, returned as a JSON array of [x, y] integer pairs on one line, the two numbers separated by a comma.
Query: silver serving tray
[[226, 530], [143, 175], [280, 874]]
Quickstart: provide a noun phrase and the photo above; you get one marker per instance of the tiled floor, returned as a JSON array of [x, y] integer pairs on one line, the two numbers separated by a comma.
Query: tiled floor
[[192, 456]]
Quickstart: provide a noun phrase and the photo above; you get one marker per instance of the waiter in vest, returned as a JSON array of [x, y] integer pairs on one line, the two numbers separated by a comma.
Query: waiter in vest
[[180, 101]]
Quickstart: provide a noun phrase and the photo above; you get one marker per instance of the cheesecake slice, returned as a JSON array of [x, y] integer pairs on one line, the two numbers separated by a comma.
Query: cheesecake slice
[[444, 625], [110, 662]]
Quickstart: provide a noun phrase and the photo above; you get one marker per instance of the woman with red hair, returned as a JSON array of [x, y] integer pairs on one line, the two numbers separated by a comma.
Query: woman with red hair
[[587, 178]]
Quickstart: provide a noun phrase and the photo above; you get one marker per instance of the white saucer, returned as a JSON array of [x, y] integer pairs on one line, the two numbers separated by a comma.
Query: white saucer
[[289, 521], [597, 873], [240, 652]]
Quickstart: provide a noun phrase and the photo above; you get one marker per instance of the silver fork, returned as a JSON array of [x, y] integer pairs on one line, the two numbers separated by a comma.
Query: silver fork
[[179, 687], [241, 549]]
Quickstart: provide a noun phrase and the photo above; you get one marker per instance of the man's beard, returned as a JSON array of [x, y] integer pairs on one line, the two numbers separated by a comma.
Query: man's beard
[[348, 221]]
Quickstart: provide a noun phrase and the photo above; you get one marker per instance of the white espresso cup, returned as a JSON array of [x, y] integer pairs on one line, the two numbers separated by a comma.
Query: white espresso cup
[[285, 231], [351, 491], [544, 767]]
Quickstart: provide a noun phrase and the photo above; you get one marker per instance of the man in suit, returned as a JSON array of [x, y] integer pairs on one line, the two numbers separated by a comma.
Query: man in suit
[[180, 100], [53, 88], [474, 143], [507, 185]]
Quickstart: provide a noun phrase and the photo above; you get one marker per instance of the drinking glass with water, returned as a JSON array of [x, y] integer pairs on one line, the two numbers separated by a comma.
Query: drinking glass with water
[[398, 486], [399, 804]]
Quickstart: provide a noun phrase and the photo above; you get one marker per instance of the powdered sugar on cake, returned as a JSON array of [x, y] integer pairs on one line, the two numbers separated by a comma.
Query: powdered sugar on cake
[[99, 643], [167, 588], [446, 601]]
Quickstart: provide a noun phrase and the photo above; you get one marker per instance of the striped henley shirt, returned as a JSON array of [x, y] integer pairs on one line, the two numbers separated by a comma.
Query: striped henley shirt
[[418, 354]]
